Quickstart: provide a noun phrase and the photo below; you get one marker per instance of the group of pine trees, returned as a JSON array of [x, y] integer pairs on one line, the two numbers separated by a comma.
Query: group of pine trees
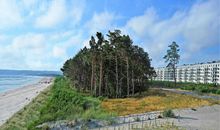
[[111, 67]]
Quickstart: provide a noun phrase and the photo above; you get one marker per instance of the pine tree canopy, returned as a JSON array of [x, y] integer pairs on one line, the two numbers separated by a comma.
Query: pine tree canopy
[[111, 67]]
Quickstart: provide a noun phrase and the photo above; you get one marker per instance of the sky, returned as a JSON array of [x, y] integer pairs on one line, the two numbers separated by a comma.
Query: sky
[[43, 34]]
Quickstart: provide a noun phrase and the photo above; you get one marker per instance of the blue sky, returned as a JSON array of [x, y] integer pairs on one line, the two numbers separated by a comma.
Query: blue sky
[[41, 35]]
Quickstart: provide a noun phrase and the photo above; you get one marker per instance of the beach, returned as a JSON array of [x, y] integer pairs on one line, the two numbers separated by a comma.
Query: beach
[[14, 100]]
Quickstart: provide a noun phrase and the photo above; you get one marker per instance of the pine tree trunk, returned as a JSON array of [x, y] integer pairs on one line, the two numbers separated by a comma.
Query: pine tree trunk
[[132, 80], [92, 76], [116, 69], [95, 83], [128, 87], [100, 78], [141, 84], [174, 73], [106, 85]]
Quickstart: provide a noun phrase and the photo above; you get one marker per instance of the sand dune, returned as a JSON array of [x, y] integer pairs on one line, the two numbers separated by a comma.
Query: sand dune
[[14, 100]]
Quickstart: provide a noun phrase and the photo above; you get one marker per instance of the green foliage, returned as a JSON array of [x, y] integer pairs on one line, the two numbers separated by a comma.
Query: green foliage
[[202, 88], [190, 87], [137, 119], [218, 91], [66, 103], [61, 102], [166, 84], [172, 57], [168, 113], [110, 68]]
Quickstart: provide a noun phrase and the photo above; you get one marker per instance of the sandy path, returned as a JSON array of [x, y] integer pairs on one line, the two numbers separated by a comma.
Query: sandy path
[[203, 118], [192, 93], [14, 100]]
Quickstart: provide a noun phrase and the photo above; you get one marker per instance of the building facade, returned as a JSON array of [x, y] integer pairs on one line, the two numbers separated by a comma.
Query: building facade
[[197, 73]]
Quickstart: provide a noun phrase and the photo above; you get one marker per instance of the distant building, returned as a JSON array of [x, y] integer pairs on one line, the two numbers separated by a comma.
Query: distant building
[[197, 73]]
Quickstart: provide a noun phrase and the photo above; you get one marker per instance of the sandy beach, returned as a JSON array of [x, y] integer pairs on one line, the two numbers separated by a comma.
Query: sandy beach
[[14, 100]]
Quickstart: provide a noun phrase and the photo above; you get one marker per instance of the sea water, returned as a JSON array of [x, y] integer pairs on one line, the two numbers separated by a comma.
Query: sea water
[[12, 79]]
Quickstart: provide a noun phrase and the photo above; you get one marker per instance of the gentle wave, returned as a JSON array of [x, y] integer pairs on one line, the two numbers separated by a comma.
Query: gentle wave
[[13, 82]]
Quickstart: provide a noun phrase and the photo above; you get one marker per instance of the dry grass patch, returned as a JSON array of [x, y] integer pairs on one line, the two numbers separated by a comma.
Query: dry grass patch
[[160, 100]]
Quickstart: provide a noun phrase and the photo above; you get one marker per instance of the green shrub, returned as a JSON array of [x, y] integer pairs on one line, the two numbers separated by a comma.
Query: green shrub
[[65, 103], [168, 113], [190, 87], [137, 119], [218, 91], [202, 88]]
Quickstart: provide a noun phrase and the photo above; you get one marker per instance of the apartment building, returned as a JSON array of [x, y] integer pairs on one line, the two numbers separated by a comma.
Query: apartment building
[[198, 73]]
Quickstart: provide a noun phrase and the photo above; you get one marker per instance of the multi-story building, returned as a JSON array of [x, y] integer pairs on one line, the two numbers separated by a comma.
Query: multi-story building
[[198, 73]]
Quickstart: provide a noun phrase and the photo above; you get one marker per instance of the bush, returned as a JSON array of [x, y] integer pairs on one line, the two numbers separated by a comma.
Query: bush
[[203, 89], [168, 113], [218, 91], [190, 87], [86, 105], [137, 119], [65, 103]]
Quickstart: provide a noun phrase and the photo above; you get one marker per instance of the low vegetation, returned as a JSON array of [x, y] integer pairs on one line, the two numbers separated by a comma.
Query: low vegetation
[[168, 113], [60, 102], [201, 88], [153, 100]]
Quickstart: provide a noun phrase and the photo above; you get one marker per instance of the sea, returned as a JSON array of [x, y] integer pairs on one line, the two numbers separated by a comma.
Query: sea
[[12, 79]]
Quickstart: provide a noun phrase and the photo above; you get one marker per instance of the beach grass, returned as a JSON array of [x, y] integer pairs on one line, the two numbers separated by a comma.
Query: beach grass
[[58, 102], [61, 101], [153, 100], [28, 114]]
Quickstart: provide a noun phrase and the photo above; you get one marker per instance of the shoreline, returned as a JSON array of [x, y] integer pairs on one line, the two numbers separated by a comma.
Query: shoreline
[[14, 100]]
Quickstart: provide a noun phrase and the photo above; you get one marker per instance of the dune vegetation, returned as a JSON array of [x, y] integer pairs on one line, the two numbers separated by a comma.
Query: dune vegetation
[[153, 100], [62, 102], [59, 102], [197, 87], [108, 79]]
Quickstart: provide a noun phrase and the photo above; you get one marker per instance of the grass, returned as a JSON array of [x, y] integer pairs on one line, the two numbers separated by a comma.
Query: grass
[[168, 113], [59, 102], [153, 100], [198, 87], [29, 113], [202, 88]]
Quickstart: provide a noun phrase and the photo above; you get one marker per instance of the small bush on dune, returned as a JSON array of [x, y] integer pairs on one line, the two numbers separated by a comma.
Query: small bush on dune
[[218, 91], [199, 87], [189, 87], [203, 89], [168, 113], [65, 103]]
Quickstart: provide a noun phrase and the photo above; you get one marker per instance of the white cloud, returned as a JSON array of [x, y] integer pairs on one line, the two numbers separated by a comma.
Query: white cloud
[[9, 14], [59, 52], [4, 38], [196, 28], [139, 24], [101, 22], [29, 3], [55, 14], [59, 12], [201, 26], [193, 29], [25, 49], [76, 11]]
